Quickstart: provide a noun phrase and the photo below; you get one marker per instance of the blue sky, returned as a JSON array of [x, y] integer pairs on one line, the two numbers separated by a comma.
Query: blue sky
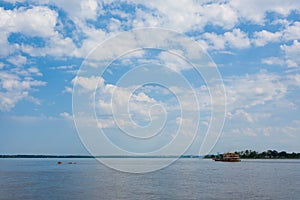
[[43, 43]]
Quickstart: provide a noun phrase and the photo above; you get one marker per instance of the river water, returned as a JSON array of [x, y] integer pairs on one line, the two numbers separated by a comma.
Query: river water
[[185, 179]]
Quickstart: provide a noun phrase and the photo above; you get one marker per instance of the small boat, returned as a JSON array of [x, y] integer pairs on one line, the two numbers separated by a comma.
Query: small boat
[[228, 157]]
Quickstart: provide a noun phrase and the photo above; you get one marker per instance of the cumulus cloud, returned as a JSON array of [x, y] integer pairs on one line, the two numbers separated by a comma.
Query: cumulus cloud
[[89, 9], [251, 90], [79, 10], [17, 60], [215, 41], [130, 107], [42, 21], [244, 93], [292, 32], [255, 10], [223, 19], [237, 39], [88, 83], [36, 21], [193, 16], [234, 39], [264, 37], [17, 81], [14, 88], [292, 53]]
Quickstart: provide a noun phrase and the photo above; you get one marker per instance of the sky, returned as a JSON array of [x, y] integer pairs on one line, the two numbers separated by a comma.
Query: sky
[[47, 47]]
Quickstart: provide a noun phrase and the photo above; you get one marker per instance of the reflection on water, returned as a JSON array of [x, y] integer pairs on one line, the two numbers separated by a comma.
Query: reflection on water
[[185, 179]]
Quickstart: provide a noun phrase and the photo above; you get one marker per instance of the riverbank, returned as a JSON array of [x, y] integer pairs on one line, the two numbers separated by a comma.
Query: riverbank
[[269, 154]]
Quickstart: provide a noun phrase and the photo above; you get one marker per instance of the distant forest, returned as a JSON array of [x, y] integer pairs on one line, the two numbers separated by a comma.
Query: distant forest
[[270, 154]]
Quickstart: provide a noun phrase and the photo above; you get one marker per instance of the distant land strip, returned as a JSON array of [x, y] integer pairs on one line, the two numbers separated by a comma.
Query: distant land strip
[[247, 154], [85, 156], [269, 154]]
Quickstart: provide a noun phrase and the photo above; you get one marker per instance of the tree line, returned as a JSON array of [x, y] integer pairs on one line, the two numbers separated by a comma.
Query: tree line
[[269, 154]]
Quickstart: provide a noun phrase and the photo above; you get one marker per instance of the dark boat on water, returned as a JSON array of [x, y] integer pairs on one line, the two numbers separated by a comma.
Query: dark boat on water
[[228, 157]]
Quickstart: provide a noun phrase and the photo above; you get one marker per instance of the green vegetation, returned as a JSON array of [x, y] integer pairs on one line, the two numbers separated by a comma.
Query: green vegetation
[[270, 154]]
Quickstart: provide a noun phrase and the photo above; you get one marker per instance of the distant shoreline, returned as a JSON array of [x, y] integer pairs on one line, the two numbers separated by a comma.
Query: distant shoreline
[[84, 156], [247, 154], [250, 154]]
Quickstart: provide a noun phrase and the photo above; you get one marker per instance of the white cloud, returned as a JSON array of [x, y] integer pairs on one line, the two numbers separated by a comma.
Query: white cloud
[[292, 53], [63, 67], [174, 62], [220, 15], [16, 85], [71, 69], [255, 10], [187, 124], [35, 71], [36, 21], [88, 83], [273, 61], [89, 9], [286, 134], [126, 105], [183, 16], [8, 100], [294, 79], [264, 37], [227, 18], [195, 15], [251, 90], [68, 90], [17, 60], [147, 19], [240, 113], [282, 22], [66, 115], [57, 46], [80, 9], [5, 49], [114, 25], [171, 15], [292, 32], [235, 39], [142, 97], [42, 21], [105, 123], [215, 41]]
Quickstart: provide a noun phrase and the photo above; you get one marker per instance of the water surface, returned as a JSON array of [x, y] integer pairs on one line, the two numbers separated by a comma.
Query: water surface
[[185, 179]]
